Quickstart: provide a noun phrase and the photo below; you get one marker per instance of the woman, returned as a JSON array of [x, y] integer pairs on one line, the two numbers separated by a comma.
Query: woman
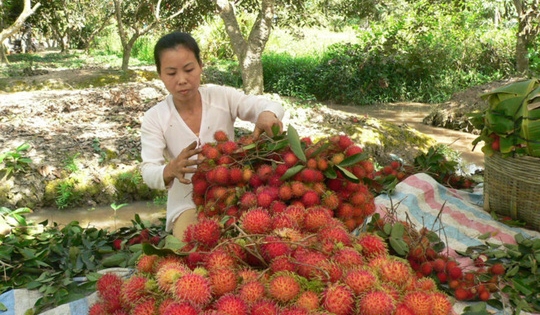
[[174, 130]]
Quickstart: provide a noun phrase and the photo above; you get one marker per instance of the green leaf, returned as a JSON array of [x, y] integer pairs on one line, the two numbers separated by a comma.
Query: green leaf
[[387, 228], [476, 309], [348, 175], [399, 246], [150, 249], [521, 287], [115, 260], [485, 236], [353, 159], [294, 142], [512, 271], [23, 147], [397, 231], [330, 173], [292, 171], [3, 308]]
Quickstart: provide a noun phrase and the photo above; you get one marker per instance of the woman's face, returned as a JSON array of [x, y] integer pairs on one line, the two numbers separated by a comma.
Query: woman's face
[[181, 73]]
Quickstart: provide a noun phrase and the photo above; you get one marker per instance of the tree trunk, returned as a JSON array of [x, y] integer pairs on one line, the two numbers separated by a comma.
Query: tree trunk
[[522, 58], [522, 42], [249, 52], [126, 52], [26, 12]]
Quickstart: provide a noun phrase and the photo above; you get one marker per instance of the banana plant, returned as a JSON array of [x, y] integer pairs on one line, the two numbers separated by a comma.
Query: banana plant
[[511, 123]]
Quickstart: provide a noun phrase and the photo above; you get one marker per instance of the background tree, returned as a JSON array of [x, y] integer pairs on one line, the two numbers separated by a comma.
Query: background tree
[[528, 17], [249, 49], [137, 18], [16, 25], [62, 21]]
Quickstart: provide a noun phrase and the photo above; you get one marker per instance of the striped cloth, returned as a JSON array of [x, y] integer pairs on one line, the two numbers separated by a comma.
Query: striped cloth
[[420, 199]]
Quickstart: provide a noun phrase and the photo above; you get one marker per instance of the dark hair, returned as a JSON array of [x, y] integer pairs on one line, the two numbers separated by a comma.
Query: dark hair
[[172, 40]]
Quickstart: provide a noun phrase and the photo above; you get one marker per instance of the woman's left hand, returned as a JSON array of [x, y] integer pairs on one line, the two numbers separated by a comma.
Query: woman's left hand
[[265, 122]]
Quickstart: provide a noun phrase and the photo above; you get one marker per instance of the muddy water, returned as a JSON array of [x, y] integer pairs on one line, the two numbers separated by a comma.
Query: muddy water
[[102, 217], [412, 114]]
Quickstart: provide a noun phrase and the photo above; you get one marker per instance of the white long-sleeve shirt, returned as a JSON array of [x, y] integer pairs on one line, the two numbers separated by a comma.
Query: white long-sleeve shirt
[[164, 134]]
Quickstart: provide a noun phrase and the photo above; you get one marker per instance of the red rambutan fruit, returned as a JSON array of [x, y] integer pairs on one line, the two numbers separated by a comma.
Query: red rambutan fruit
[[167, 274], [264, 171], [236, 175], [179, 308], [311, 198], [230, 304], [419, 302], [219, 258], [372, 245], [283, 263], [376, 303], [229, 147], [264, 307], [283, 287], [308, 300], [316, 218], [441, 304], [273, 247], [338, 299], [348, 257], [223, 280], [256, 221], [248, 200], [134, 289], [252, 292], [207, 232], [290, 159], [360, 280], [221, 136], [264, 199], [335, 234], [146, 307], [193, 288], [147, 263]]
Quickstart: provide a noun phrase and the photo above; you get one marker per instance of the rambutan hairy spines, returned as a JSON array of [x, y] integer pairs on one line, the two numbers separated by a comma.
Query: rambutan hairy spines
[[223, 281], [219, 258], [308, 300], [207, 232], [360, 280], [229, 147], [316, 218], [256, 221], [147, 263], [231, 304], [193, 288], [134, 289], [376, 302], [252, 292], [290, 159], [372, 245], [283, 287], [264, 307], [338, 299], [176, 308], [221, 136]]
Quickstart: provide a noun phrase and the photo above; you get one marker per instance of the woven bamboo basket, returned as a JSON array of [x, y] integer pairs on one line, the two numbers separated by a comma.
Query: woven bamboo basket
[[512, 187]]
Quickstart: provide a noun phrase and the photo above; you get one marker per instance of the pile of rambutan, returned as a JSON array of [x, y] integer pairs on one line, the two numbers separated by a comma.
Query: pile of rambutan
[[278, 233]]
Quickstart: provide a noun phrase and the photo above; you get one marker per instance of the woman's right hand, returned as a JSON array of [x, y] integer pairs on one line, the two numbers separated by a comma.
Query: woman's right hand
[[182, 165]]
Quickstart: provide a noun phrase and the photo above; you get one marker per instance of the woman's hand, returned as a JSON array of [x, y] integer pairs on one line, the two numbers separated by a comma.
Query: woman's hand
[[182, 164], [265, 122]]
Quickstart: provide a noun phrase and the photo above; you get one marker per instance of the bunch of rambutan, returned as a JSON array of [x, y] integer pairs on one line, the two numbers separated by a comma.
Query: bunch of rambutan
[[274, 237]]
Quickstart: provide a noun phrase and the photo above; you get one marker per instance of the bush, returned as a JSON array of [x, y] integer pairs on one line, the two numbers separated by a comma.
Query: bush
[[289, 76]]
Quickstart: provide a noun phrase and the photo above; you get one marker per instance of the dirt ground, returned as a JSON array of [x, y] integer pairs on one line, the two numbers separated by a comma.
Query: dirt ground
[[82, 127]]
